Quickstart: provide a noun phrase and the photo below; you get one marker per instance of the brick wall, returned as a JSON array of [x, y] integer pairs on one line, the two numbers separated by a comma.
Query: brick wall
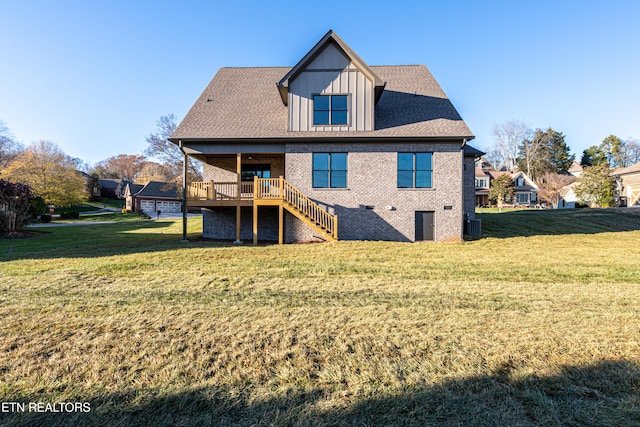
[[372, 207]]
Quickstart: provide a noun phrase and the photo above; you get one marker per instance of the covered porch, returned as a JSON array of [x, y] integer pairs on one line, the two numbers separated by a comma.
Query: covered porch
[[253, 178]]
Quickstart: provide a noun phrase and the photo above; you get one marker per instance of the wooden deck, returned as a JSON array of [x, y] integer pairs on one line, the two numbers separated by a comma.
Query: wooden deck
[[264, 192]]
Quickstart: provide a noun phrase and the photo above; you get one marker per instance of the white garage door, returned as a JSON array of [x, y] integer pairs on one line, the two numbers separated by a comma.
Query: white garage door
[[148, 206], [168, 206]]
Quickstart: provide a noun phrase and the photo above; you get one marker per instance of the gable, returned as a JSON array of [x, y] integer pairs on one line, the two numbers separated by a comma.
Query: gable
[[330, 58], [331, 73], [320, 48]]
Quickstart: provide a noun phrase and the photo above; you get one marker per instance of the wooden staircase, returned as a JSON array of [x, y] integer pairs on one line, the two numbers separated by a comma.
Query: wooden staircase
[[279, 192]]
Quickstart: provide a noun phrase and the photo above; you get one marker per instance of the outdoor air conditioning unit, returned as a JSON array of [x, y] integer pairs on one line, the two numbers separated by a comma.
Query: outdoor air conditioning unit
[[473, 227]]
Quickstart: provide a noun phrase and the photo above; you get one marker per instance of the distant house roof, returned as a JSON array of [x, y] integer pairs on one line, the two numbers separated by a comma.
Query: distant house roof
[[630, 169], [158, 190], [528, 183], [244, 103], [575, 167], [110, 184], [481, 172]]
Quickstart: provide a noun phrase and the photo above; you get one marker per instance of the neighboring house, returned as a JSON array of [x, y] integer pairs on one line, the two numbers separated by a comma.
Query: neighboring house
[[109, 187], [526, 191], [482, 186], [575, 169], [152, 197], [628, 184], [568, 198], [330, 148], [483, 163]]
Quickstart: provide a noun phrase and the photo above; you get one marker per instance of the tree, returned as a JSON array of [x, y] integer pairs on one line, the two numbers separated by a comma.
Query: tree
[[93, 186], [509, 137], [546, 151], [125, 166], [152, 171], [169, 153], [49, 172], [597, 186], [593, 156], [632, 151], [559, 155], [502, 188], [494, 158], [533, 154], [613, 148], [9, 147], [14, 205], [551, 185]]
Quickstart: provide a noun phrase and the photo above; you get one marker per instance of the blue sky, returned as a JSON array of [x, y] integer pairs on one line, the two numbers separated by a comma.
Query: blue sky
[[94, 76]]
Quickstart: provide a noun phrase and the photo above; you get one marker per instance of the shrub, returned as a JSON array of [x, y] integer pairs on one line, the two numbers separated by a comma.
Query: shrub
[[37, 206], [14, 205], [46, 218], [69, 215]]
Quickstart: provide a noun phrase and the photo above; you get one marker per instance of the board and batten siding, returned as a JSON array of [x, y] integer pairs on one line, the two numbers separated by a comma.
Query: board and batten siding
[[331, 72]]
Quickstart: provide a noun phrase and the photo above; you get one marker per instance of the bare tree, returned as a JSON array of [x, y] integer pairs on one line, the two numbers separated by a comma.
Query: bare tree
[[168, 153], [494, 157], [532, 153], [632, 151], [551, 185], [509, 137], [9, 147]]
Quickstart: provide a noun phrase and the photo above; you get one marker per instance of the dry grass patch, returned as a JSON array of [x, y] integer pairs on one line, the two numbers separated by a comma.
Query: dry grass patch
[[540, 330]]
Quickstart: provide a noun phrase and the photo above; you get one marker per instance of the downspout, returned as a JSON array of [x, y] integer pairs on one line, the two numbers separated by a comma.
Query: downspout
[[184, 192]]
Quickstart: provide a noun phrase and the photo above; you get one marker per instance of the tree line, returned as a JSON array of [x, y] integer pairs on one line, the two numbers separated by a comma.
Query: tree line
[[43, 174], [546, 158]]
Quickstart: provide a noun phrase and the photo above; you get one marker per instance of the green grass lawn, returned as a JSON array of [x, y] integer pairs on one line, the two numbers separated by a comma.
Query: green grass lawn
[[536, 324]]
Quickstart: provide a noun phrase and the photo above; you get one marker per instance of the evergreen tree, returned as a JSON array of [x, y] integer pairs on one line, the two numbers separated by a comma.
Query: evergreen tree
[[597, 186]]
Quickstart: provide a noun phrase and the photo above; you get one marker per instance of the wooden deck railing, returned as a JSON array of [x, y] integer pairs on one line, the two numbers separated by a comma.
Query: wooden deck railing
[[219, 191], [268, 189], [279, 188]]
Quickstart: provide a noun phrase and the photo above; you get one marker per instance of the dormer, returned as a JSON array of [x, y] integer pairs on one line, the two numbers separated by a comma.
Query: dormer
[[331, 89]]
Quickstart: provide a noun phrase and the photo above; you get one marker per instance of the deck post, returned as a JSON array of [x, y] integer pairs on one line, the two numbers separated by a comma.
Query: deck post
[[255, 210], [238, 196], [280, 223], [184, 191]]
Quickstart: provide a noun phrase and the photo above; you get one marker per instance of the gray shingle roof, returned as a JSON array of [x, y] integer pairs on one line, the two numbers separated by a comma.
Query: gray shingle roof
[[245, 103], [158, 190]]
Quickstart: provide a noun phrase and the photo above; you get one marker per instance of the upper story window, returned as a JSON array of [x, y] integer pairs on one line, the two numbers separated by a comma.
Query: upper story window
[[520, 182], [330, 109], [482, 183], [415, 170], [329, 170]]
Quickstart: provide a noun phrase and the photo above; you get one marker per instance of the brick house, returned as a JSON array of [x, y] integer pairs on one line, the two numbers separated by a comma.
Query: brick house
[[525, 189], [289, 151], [152, 197]]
